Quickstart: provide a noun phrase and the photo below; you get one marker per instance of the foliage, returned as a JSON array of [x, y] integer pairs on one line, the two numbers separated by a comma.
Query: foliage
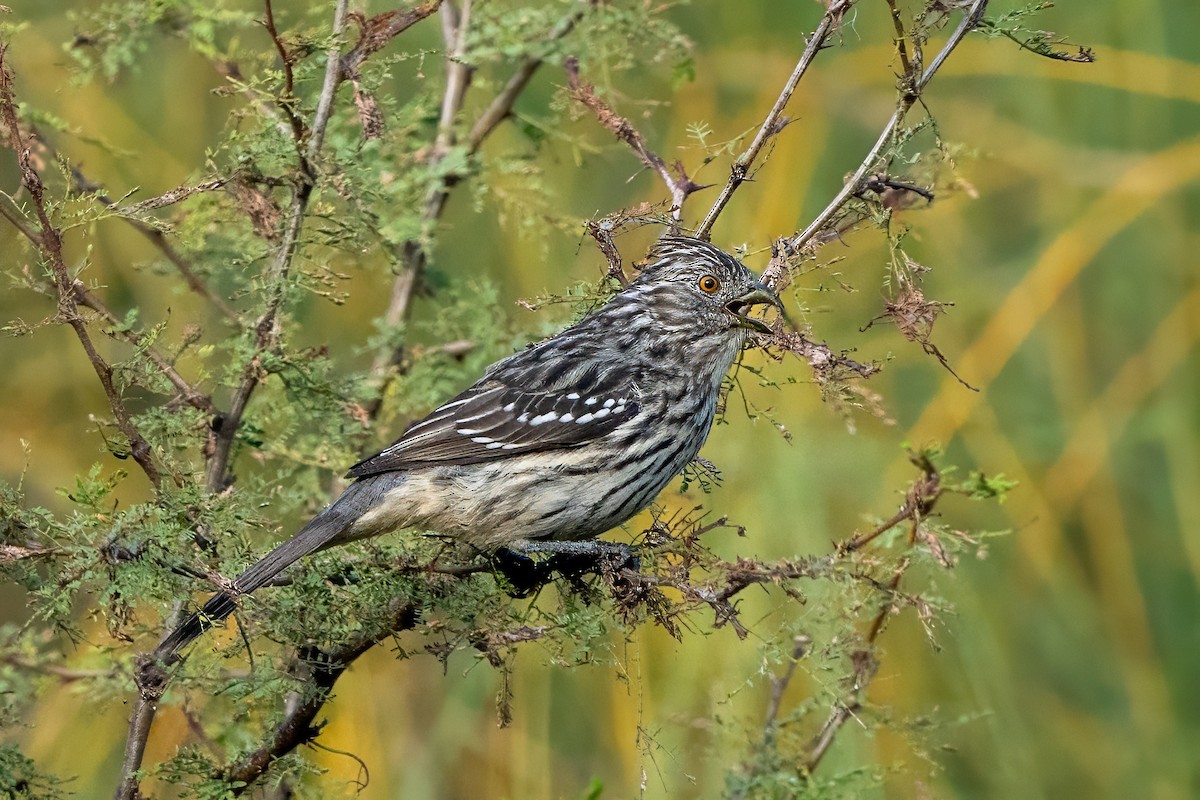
[[229, 416]]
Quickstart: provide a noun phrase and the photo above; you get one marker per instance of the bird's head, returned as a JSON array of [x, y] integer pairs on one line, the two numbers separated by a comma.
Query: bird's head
[[689, 285]]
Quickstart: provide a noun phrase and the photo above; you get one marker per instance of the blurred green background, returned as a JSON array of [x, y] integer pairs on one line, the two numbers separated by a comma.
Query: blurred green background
[[1071, 666]]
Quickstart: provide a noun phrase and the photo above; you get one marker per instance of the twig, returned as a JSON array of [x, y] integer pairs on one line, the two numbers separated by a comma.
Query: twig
[[287, 100], [323, 670], [680, 186], [413, 255], [901, 42], [153, 234], [64, 674], [834, 14], [18, 222], [266, 328], [186, 391], [919, 502], [810, 235], [50, 242], [501, 106]]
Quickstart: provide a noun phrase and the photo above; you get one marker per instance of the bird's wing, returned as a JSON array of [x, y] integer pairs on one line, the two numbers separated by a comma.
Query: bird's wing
[[491, 421]]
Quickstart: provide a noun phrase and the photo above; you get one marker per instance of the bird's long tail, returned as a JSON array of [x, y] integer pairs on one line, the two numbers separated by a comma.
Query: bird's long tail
[[323, 530]]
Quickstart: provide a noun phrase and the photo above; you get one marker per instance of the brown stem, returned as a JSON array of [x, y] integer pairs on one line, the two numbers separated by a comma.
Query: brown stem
[[679, 186], [323, 670], [901, 40], [812, 234], [49, 240], [834, 13], [287, 100]]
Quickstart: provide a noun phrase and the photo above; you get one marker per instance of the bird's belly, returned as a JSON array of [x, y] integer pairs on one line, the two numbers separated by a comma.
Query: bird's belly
[[489, 505]]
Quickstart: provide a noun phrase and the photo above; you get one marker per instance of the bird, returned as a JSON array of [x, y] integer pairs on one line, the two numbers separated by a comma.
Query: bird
[[557, 443]]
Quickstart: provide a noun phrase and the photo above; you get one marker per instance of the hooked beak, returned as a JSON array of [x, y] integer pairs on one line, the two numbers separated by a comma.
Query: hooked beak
[[756, 295]]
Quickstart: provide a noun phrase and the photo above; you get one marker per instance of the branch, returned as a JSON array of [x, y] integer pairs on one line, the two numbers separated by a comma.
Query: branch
[[501, 106], [266, 328], [50, 242], [413, 255], [813, 235], [775, 121], [286, 101], [919, 502], [186, 391], [323, 669], [585, 93]]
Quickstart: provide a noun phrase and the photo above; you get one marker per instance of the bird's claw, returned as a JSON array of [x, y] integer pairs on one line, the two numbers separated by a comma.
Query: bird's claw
[[569, 559]]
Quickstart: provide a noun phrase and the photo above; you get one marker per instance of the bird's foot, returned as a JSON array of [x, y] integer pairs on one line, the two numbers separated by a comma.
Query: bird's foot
[[522, 574], [571, 559]]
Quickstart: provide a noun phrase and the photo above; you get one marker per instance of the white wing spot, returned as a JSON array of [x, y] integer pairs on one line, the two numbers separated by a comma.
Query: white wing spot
[[540, 418], [566, 418], [470, 431], [591, 401], [602, 413], [494, 445], [510, 406], [510, 446], [524, 417], [609, 403], [586, 418], [573, 396], [482, 440]]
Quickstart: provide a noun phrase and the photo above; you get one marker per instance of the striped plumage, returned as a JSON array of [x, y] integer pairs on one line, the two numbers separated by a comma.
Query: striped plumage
[[561, 441]]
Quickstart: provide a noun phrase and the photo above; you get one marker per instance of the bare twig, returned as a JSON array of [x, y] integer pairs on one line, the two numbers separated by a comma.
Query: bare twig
[[812, 234], [678, 185], [49, 240], [834, 13]]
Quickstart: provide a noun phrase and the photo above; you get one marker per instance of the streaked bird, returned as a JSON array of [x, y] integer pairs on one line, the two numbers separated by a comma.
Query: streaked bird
[[559, 442]]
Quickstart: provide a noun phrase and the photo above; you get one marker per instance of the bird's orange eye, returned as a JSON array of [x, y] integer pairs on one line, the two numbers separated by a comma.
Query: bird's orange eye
[[709, 285]]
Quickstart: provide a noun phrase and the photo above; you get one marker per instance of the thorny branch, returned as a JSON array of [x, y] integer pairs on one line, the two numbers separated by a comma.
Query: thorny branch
[[679, 184], [818, 232], [414, 254], [775, 121], [49, 241]]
